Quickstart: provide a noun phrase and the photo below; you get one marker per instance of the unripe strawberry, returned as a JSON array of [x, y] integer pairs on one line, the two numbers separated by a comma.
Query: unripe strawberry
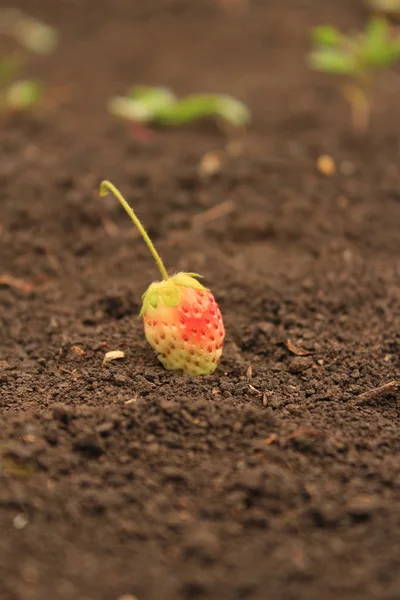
[[182, 321], [183, 324]]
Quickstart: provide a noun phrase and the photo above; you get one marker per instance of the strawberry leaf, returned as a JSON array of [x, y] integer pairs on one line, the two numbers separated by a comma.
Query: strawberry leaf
[[144, 104], [154, 98], [23, 95], [200, 106], [35, 35], [379, 49], [9, 68], [326, 35], [129, 109], [331, 60]]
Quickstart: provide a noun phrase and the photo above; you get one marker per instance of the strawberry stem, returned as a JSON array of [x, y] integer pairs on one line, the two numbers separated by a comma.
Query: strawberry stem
[[107, 186]]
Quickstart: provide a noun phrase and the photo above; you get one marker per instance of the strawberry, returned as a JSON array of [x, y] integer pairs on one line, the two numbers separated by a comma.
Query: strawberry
[[182, 321], [183, 324]]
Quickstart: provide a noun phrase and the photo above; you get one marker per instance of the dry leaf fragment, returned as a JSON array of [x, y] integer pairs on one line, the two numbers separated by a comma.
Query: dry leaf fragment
[[78, 350], [270, 439], [296, 349], [113, 355], [255, 390], [303, 432], [267, 394]]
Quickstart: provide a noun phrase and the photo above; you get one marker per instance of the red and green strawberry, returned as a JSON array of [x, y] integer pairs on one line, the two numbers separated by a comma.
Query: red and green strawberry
[[182, 321]]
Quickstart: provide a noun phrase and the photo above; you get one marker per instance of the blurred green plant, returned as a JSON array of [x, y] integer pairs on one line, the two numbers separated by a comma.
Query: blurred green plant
[[358, 57], [17, 94], [159, 106]]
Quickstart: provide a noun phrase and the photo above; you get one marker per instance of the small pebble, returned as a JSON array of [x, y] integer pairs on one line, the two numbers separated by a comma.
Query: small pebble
[[210, 164], [342, 202], [300, 364], [78, 350], [347, 168], [326, 165], [20, 521]]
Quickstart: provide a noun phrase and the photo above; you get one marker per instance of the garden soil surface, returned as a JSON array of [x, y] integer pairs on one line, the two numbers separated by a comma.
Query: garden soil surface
[[274, 478]]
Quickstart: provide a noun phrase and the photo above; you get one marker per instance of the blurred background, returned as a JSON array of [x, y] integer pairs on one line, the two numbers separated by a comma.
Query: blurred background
[[258, 141]]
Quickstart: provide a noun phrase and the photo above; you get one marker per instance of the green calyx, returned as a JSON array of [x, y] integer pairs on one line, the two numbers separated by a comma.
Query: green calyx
[[167, 292]]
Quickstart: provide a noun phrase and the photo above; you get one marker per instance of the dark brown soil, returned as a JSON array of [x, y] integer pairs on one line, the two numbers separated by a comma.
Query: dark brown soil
[[271, 479]]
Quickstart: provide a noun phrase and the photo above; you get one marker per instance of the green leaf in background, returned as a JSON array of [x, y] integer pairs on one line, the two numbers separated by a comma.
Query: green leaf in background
[[145, 104], [200, 106], [386, 57], [154, 98], [36, 36], [377, 30], [142, 104], [380, 49], [131, 110], [27, 31], [9, 68], [326, 35], [356, 56], [376, 39], [22, 95], [331, 60], [232, 110]]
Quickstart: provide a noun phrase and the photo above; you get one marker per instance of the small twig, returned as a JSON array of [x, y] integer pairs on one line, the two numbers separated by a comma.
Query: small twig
[[216, 212], [132, 400], [13, 282], [73, 373], [270, 439], [53, 259], [303, 432], [379, 392]]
